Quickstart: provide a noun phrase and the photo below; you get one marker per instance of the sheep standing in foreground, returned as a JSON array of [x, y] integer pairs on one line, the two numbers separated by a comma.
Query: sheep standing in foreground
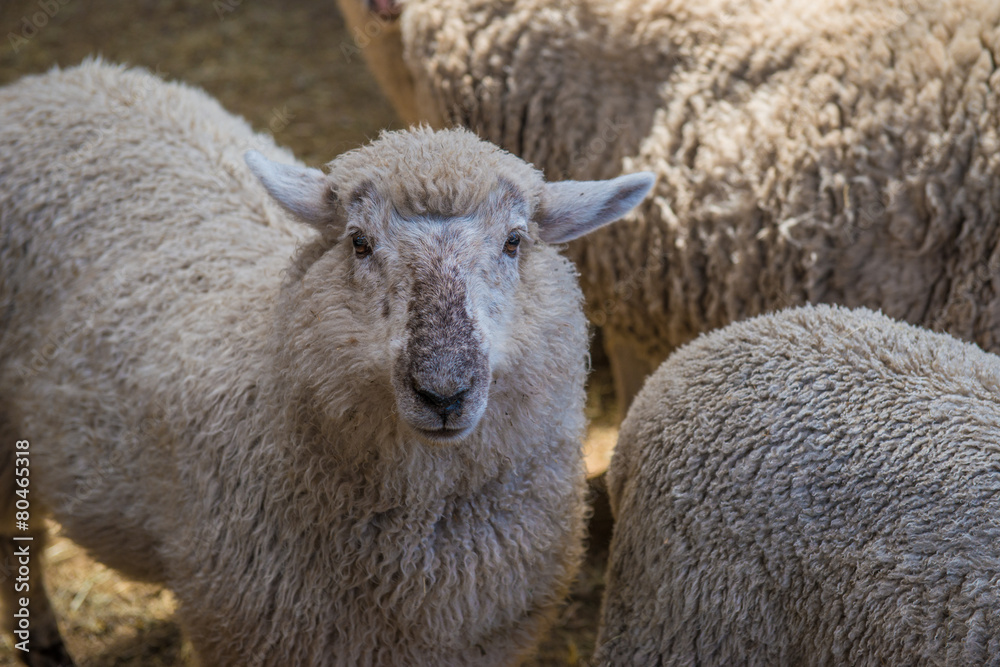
[[835, 151], [816, 487], [354, 441]]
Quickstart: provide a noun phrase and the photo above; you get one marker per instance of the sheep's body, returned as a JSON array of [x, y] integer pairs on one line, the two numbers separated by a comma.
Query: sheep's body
[[841, 151], [816, 487], [196, 421]]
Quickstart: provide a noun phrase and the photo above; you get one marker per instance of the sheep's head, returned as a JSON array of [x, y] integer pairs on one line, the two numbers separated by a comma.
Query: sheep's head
[[430, 238]]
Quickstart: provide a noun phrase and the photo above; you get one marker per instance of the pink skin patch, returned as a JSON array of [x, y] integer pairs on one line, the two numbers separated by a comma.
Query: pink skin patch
[[387, 9]]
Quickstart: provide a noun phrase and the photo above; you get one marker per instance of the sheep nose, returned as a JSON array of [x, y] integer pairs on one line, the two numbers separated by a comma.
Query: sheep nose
[[443, 405]]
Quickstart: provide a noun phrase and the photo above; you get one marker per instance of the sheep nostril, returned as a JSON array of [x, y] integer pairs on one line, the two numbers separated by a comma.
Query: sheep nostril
[[443, 405]]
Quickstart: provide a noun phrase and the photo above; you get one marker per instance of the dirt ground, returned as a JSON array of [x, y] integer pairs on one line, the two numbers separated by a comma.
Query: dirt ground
[[282, 68]]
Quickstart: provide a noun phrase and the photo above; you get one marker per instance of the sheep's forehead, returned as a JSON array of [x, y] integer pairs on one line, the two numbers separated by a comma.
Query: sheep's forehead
[[424, 173]]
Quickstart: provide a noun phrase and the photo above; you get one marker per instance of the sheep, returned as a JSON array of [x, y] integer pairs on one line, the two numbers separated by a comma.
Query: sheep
[[339, 415], [806, 152], [818, 486]]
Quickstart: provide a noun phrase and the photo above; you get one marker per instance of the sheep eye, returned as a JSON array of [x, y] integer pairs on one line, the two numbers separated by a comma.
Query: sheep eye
[[361, 246], [510, 247]]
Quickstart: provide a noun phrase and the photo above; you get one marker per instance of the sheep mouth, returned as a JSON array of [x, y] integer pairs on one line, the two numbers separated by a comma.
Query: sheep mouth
[[444, 436]]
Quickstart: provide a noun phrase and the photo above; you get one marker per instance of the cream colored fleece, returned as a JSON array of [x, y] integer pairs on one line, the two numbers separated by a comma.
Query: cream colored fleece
[[820, 486]]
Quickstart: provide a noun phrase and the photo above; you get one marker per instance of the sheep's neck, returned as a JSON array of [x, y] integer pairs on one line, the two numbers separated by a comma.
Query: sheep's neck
[[382, 467]]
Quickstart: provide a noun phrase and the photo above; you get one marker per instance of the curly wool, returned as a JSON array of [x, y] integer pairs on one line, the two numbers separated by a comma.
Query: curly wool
[[815, 487], [152, 348], [427, 173], [841, 151]]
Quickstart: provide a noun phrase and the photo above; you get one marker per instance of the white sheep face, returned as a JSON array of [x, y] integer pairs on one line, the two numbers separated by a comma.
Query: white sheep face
[[437, 296], [445, 290]]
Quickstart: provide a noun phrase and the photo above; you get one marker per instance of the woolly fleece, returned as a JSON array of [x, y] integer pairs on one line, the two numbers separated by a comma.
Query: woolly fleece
[[204, 417], [816, 487]]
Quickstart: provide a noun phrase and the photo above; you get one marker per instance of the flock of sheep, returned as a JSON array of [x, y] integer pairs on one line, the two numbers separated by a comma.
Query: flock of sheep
[[339, 413]]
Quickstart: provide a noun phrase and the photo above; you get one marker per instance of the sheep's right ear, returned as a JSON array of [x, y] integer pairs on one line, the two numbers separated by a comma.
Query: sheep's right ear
[[302, 191]]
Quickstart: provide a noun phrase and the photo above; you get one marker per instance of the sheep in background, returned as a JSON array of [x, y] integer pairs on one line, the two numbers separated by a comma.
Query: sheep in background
[[363, 451], [835, 151], [818, 487]]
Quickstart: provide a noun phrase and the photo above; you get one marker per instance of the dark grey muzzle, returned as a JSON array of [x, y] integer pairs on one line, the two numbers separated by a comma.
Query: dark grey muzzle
[[442, 376]]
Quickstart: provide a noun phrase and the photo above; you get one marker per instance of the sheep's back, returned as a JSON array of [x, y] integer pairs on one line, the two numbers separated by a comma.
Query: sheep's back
[[139, 261], [105, 169], [818, 486]]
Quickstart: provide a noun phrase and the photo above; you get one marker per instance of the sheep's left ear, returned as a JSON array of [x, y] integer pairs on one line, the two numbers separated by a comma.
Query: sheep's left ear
[[302, 191], [574, 208]]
